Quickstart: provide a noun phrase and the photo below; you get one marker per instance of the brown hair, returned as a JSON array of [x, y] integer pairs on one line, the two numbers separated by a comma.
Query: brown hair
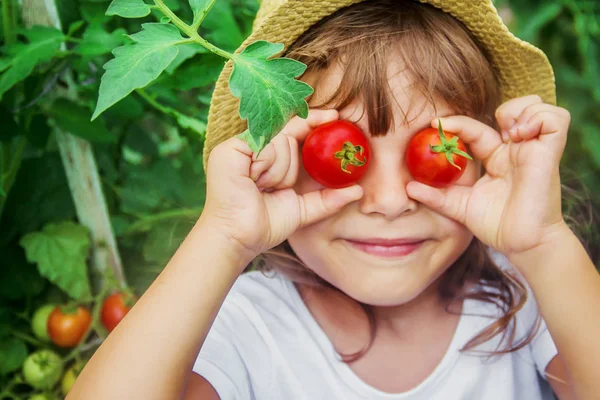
[[444, 61]]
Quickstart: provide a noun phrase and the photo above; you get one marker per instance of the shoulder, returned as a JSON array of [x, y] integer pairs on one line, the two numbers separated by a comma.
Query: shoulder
[[260, 288], [256, 300]]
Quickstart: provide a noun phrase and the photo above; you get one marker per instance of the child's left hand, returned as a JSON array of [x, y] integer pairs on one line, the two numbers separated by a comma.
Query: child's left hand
[[516, 205]]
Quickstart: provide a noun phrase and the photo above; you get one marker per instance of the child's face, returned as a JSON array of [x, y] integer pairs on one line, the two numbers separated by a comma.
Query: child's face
[[329, 247]]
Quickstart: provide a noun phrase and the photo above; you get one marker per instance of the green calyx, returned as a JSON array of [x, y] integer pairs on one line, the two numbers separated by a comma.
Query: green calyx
[[348, 156], [448, 146]]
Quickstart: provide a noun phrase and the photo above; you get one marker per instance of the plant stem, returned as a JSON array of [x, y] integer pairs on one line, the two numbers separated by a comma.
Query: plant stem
[[7, 22], [153, 102], [204, 43], [26, 338], [202, 15], [190, 31], [174, 18]]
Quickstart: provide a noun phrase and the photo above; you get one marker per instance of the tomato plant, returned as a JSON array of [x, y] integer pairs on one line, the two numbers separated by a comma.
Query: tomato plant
[[336, 154], [114, 309], [66, 329], [42, 369], [39, 322], [436, 158]]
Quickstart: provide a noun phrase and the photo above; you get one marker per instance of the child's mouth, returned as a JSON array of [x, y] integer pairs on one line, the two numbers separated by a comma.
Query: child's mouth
[[386, 247]]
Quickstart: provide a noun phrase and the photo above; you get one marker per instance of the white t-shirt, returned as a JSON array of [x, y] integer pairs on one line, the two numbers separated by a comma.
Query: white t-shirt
[[265, 344]]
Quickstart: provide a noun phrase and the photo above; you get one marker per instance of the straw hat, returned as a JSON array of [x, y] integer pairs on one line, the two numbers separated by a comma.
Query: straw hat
[[523, 69]]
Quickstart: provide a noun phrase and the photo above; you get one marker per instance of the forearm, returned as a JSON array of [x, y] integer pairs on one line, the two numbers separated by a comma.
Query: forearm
[[567, 288], [151, 352]]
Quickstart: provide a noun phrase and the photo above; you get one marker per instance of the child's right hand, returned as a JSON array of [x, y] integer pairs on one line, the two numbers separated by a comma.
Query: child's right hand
[[252, 203]]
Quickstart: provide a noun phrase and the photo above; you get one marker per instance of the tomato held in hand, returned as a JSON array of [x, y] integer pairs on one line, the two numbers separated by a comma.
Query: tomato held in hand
[[67, 329], [436, 158], [115, 307], [336, 154]]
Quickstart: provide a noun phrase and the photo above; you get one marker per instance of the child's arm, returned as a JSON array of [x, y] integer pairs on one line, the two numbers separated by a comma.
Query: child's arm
[[151, 352], [567, 288], [250, 207]]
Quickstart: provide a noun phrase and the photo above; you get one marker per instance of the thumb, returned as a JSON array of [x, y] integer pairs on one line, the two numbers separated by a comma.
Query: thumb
[[326, 202], [451, 201]]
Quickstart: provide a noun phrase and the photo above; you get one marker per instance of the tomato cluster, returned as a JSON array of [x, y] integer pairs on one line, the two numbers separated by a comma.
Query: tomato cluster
[[337, 154], [66, 327]]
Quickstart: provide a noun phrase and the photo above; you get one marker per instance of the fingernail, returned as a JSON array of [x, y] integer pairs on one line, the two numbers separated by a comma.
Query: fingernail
[[505, 137]]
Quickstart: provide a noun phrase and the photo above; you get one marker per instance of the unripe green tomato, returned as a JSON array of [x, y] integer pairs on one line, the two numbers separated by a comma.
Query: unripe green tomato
[[39, 396], [70, 377], [43, 369], [39, 322]]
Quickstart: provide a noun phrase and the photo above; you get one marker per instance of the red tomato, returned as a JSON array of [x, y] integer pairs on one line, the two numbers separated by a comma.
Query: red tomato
[[113, 310], [436, 158], [67, 329], [336, 154]]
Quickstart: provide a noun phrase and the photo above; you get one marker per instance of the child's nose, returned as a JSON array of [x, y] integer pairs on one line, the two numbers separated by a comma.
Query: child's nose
[[384, 188]]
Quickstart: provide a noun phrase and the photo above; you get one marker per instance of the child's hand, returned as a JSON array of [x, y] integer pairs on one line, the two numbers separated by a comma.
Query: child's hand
[[516, 205], [251, 201]]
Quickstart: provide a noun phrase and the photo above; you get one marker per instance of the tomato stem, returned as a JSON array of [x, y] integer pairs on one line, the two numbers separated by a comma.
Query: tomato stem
[[449, 147], [348, 156]]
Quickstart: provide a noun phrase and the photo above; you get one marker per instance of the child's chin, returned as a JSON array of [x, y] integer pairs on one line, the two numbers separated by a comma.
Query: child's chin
[[384, 292]]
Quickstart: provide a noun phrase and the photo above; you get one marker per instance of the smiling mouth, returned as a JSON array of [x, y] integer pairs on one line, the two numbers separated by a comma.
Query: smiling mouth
[[386, 248]]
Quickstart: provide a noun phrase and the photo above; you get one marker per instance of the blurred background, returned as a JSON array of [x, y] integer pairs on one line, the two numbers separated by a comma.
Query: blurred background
[[148, 153]]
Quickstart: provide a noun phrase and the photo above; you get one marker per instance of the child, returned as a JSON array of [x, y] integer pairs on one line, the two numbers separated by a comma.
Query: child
[[388, 289]]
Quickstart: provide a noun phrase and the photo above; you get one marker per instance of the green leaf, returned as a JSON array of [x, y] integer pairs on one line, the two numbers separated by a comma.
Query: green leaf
[[191, 123], [136, 65], [74, 27], [186, 51], [128, 8], [61, 250], [13, 353], [269, 95], [199, 6], [97, 41], [43, 44], [202, 72], [75, 120], [222, 28]]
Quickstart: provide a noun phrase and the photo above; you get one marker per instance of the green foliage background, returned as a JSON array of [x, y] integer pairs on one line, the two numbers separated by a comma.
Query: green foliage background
[[148, 147]]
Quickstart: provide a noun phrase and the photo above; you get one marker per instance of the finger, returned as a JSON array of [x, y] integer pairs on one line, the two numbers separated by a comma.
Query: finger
[[481, 139], [292, 175], [451, 201], [326, 202], [299, 128], [263, 161], [531, 122], [278, 170], [233, 155], [509, 111]]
